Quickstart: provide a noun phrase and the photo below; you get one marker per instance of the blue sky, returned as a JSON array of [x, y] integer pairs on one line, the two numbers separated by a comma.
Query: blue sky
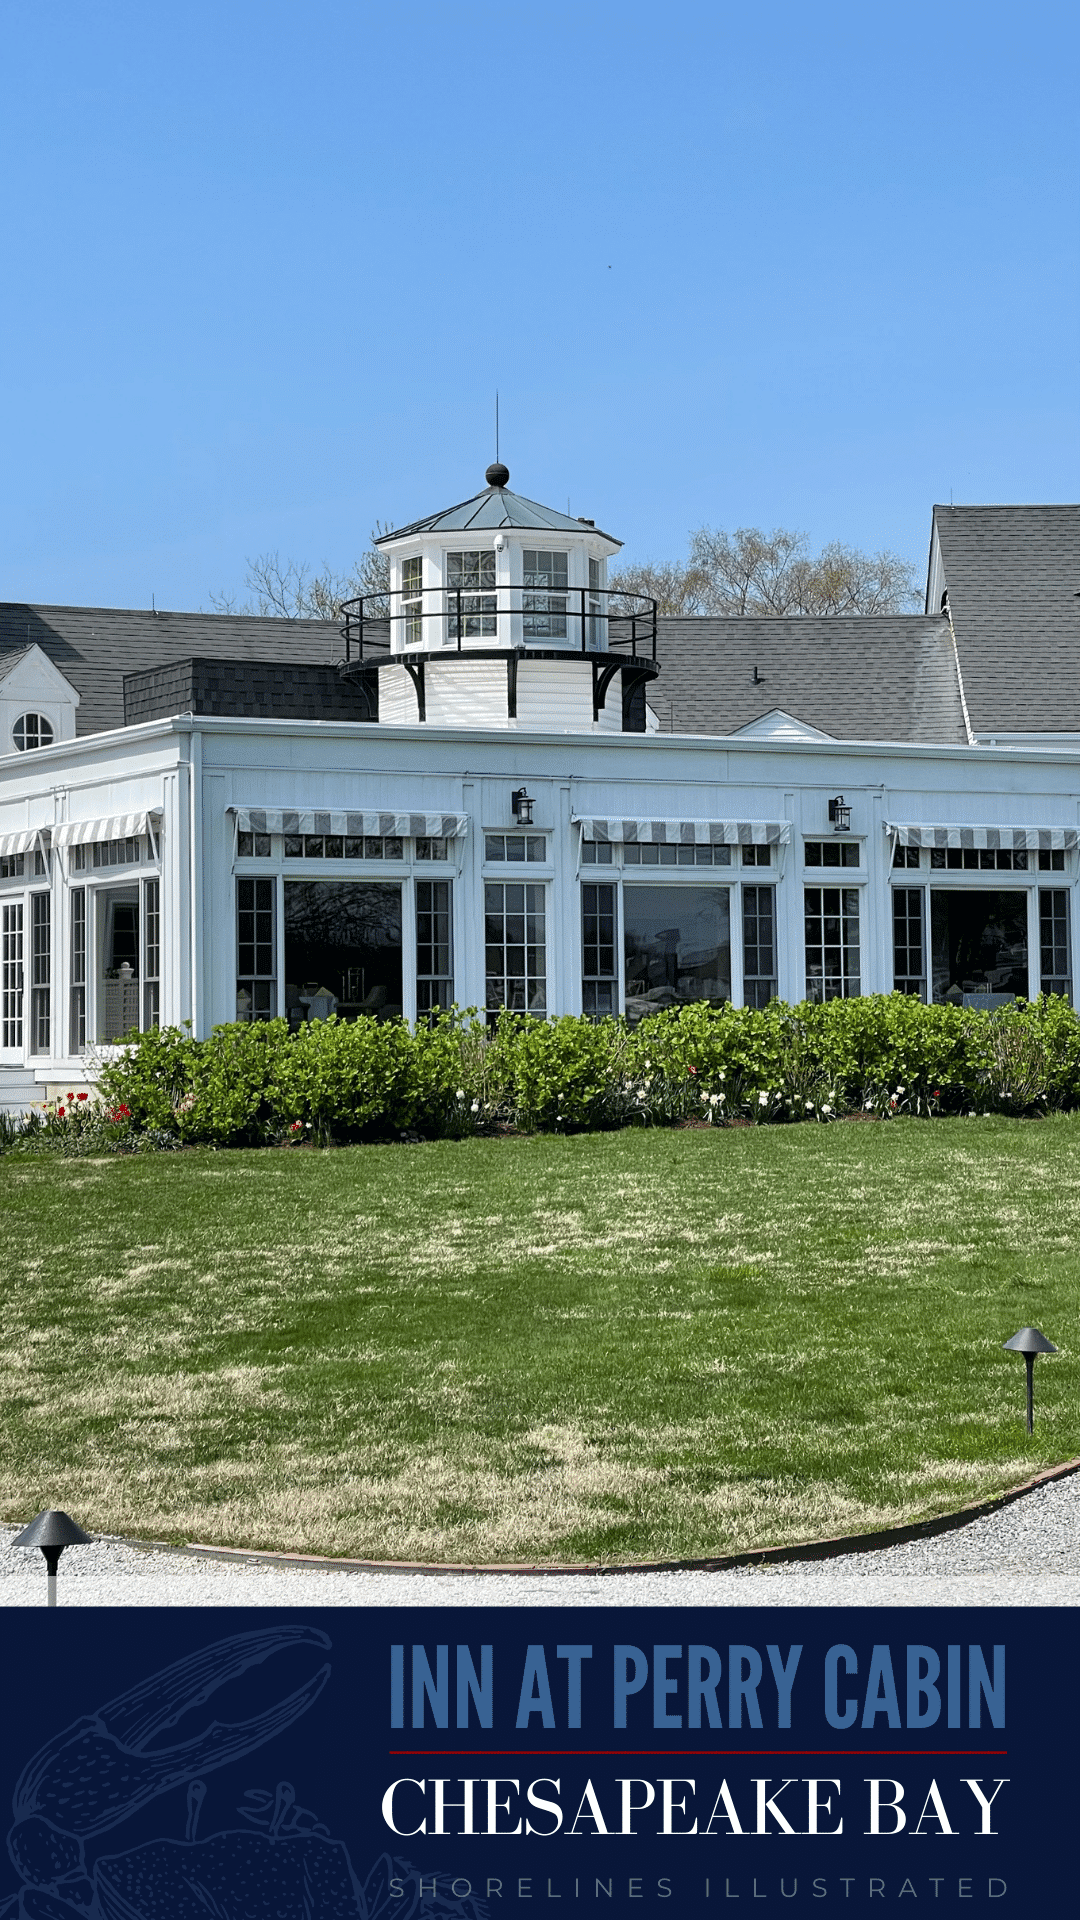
[[267, 263]]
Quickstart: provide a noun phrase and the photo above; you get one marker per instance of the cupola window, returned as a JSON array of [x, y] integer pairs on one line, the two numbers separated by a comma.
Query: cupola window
[[31, 730], [544, 611], [412, 605], [470, 581]]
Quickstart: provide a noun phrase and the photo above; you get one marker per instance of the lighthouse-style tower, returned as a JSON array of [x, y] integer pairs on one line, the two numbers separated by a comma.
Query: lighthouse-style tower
[[499, 614]]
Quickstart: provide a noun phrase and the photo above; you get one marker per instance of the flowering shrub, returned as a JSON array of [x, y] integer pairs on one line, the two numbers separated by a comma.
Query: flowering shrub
[[257, 1083]]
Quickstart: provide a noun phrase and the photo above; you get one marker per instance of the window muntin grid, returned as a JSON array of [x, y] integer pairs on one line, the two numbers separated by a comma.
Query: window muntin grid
[[832, 853], [472, 574], [1055, 972], [77, 1008], [980, 859], [107, 853], [434, 946], [151, 957], [759, 945], [256, 983], [651, 853], [507, 849], [31, 730], [337, 846], [906, 856], [40, 971], [831, 917], [412, 604], [909, 941], [599, 949], [544, 612], [11, 974], [515, 947]]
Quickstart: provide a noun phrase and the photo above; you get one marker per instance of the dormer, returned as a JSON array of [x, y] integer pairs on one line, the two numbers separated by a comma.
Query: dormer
[[37, 704], [498, 614]]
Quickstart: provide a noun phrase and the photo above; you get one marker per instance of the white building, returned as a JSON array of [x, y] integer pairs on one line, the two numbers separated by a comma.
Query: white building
[[501, 786]]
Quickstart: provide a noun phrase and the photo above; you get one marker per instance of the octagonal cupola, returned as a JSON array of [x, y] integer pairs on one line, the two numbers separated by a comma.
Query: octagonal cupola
[[498, 614]]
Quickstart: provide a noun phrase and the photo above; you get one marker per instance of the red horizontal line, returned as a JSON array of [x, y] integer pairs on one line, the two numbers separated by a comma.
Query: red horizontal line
[[696, 1753]]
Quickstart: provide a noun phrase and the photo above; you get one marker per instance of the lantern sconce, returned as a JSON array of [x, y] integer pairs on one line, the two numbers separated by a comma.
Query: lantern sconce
[[522, 807], [840, 813]]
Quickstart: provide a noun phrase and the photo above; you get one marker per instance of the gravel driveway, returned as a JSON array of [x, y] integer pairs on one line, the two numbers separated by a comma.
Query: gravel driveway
[[1026, 1554]]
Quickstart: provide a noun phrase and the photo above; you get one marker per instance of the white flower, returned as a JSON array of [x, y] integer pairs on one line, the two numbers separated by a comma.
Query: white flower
[[720, 1097], [475, 1106], [763, 1099], [826, 1109], [460, 1094], [867, 1105], [721, 1075], [899, 1089], [648, 1063], [710, 1098], [809, 1106], [714, 1099]]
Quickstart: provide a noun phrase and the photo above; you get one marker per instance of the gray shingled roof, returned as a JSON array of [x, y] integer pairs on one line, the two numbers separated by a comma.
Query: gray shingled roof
[[495, 507], [95, 646], [890, 677], [1013, 575]]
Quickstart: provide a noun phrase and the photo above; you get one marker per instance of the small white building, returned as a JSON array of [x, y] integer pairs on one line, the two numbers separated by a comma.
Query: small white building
[[501, 785]]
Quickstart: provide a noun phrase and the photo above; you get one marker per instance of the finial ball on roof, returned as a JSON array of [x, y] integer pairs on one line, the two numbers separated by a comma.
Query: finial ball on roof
[[497, 475]]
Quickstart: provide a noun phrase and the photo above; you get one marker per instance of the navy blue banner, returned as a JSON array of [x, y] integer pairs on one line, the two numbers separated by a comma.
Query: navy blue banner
[[257, 1764]]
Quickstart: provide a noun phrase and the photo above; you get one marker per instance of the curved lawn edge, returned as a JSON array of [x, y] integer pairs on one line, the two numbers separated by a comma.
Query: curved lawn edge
[[832, 1548]]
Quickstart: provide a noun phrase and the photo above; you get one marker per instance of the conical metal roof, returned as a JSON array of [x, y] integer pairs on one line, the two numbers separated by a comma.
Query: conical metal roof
[[494, 508]]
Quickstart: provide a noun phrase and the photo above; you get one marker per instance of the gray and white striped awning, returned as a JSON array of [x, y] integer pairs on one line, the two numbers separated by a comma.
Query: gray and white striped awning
[[439, 826], [23, 841], [1036, 839], [688, 833], [111, 826]]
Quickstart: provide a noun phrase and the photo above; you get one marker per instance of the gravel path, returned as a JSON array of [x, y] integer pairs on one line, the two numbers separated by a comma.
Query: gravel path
[[1026, 1554]]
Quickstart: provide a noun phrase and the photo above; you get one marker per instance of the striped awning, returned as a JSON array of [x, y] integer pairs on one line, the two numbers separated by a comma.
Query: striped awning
[[687, 833], [440, 826], [22, 842], [1035, 839], [111, 826]]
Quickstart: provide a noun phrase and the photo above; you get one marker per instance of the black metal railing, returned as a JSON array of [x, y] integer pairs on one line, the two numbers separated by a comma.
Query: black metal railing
[[434, 619]]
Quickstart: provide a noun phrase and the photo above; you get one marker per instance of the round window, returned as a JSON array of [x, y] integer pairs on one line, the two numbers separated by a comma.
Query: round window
[[31, 730]]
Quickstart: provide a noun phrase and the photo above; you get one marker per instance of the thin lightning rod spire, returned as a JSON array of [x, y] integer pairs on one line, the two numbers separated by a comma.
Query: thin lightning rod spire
[[496, 424]]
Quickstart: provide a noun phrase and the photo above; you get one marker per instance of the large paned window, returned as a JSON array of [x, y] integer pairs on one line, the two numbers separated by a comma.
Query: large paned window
[[909, 944], [256, 983], [40, 971], [677, 947], [832, 942], [759, 945], [151, 956], [515, 943], [599, 962], [11, 975], [979, 944], [470, 575], [544, 577], [434, 951], [77, 1035], [1055, 973], [342, 949]]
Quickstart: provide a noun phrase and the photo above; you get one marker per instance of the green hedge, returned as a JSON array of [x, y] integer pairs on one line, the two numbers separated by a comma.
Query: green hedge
[[257, 1083], [349, 1080]]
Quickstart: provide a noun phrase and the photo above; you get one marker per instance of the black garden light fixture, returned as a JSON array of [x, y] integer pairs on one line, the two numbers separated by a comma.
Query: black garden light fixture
[[52, 1531], [522, 806], [840, 813], [1029, 1341]]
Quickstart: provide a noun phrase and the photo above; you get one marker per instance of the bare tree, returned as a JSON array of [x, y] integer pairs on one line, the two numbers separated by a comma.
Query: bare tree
[[290, 590], [751, 572]]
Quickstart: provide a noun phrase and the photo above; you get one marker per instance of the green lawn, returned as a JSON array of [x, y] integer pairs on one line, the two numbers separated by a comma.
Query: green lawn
[[613, 1347]]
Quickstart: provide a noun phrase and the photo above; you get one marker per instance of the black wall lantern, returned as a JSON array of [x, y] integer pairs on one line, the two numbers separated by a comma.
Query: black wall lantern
[[840, 813], [52, 1531], [522, 807], [1029, 1341]]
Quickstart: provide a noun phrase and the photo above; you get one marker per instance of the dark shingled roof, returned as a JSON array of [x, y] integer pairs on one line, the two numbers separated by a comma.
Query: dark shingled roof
[[94, 647], [1013, 575], [889, 677]]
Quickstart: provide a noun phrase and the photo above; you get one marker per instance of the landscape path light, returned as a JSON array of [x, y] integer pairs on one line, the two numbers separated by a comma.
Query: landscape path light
[[1029, 1341], [52, 1531]]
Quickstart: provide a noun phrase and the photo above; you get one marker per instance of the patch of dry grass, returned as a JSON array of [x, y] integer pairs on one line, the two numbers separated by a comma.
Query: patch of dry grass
[[617, 1347]]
